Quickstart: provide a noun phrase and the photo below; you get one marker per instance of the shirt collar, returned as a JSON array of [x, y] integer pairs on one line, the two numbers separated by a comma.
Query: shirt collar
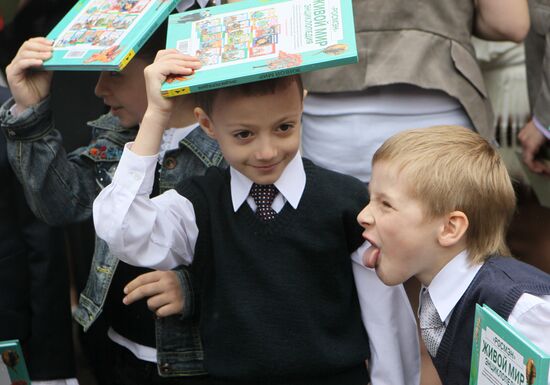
[[450, 284], [291, 183]]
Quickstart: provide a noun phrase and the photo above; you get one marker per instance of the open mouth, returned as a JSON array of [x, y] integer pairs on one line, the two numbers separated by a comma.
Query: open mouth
[[371, 257]]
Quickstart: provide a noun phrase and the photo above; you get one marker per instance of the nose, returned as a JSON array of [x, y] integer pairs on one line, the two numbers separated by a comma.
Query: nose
[[365, 218], [102, 85], [266, 150]]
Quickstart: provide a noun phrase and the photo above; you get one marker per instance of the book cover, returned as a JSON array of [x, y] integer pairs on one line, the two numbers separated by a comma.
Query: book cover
[[104, 35], [259, 39], [501, 355], [13, 370]]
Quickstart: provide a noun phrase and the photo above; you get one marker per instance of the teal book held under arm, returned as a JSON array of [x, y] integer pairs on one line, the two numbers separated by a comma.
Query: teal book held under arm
[[104, 35], [259, 39], [501, 355], [13, 370]]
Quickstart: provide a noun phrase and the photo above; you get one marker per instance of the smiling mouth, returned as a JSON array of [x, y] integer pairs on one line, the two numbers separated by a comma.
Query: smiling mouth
[[266, 167]]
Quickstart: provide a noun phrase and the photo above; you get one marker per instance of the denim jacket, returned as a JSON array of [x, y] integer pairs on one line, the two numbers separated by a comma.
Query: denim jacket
[[60, 189]]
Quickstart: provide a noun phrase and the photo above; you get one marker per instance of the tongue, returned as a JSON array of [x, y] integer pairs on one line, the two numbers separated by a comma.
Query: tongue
[[370, 258]]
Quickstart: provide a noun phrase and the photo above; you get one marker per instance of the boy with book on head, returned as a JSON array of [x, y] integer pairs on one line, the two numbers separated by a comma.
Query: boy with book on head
[[60, 189], [440, 203], [270, 239]]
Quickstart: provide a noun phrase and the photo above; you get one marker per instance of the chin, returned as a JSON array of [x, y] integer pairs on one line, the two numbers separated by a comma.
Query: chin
[[389, 279]]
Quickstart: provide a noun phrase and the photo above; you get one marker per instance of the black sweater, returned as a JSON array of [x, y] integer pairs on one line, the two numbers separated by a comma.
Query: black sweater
[[278, 299]]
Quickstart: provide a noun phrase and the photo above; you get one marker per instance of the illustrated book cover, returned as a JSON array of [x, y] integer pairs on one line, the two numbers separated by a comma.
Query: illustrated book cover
[[104, 35], [501, 355], [255, 40], [13, 370]]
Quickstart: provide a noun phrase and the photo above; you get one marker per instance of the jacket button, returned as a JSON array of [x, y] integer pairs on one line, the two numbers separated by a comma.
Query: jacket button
[[165, 367], [11, 133], [170, 163]]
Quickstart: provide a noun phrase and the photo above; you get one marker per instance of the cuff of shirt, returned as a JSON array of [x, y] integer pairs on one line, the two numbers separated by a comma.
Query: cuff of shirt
[[545, 130], [26, 124], [136, 172]]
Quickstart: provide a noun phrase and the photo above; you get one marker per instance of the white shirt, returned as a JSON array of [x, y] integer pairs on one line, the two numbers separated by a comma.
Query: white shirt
[[161, 233], [530, 316], [170, 140]]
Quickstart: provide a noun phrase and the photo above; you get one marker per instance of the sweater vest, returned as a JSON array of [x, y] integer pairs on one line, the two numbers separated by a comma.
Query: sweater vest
[[278, 303], [499, 283]]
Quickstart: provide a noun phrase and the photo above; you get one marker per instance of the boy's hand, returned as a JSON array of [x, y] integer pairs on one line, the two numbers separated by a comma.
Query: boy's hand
[[531, 142], [27, 84], [161, 287], [167, 62]]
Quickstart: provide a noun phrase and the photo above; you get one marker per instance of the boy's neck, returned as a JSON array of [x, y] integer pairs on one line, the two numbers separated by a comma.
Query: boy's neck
[[444, 256]]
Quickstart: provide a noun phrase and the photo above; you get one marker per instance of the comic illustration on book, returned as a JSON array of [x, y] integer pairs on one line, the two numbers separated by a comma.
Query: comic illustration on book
[[243, 40]]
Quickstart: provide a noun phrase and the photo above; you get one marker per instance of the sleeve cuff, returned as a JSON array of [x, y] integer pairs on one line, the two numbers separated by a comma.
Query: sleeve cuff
[[136, 172], [545, 130], [26, 125], [187, 290]]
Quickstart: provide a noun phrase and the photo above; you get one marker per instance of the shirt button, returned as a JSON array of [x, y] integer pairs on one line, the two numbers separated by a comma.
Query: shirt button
[[170, 163]]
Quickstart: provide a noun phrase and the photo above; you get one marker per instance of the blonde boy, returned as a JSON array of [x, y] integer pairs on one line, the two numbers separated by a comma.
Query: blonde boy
[[441, 201]]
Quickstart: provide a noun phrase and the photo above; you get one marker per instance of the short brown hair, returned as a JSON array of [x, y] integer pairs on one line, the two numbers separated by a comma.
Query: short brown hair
[[453, 168], [206, 99]]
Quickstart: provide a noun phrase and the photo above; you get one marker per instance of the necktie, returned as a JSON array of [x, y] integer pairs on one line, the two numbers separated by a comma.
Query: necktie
[[431, 326], [263, 196]]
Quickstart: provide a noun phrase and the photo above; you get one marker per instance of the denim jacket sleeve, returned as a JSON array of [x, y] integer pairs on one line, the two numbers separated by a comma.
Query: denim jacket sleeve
[[59, 187], [189, 303]]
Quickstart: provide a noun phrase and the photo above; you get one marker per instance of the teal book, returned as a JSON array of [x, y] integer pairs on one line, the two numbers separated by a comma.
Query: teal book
[[104, 35], [13, 370], [502, 355], [255, 40]]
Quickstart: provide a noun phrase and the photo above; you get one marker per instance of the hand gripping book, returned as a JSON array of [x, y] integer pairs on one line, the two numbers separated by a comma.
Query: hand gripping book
[[13, 370], [260, 39], [104, 35], [501, 355]]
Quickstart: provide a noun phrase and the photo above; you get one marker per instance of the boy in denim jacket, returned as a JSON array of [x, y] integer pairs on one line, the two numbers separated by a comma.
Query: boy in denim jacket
[[60, 189], [282, 296]]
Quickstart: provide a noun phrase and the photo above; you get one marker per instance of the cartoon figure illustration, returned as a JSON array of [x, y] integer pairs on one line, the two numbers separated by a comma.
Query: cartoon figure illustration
[[284, 60], [104, 56], [530, 372], [334, 49]]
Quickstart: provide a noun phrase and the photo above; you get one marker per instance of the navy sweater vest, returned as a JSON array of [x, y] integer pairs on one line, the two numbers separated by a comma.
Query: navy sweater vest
[[499, 283], [278, 302]]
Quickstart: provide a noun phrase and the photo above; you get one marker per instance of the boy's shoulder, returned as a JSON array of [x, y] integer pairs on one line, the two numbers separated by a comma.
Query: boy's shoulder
[[513, 270], [333, 180]]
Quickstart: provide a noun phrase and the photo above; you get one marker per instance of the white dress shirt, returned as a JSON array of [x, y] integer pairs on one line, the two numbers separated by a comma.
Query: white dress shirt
[[161, 233], [530, 316], [170, 141]]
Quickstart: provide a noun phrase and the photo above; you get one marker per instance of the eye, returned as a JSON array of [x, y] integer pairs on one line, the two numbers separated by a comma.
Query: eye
[[386, 204], [242, 134], [285, 127]]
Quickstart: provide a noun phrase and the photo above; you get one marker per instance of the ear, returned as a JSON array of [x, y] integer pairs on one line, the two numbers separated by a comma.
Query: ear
[[204, 120], [453, 229]]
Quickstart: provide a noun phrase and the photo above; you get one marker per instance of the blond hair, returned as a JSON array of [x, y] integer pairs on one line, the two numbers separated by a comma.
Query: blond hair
[[453, 168]]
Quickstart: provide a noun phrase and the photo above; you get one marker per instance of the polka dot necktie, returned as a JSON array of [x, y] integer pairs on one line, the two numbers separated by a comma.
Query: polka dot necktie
[[263, 195], [431, 326]]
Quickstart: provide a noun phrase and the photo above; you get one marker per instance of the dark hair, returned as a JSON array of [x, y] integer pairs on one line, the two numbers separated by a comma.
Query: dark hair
[[205, 100], [156, 42]]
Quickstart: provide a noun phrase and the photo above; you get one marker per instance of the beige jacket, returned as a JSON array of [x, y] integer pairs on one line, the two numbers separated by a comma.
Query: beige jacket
[[420, 42], [537, 60]]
